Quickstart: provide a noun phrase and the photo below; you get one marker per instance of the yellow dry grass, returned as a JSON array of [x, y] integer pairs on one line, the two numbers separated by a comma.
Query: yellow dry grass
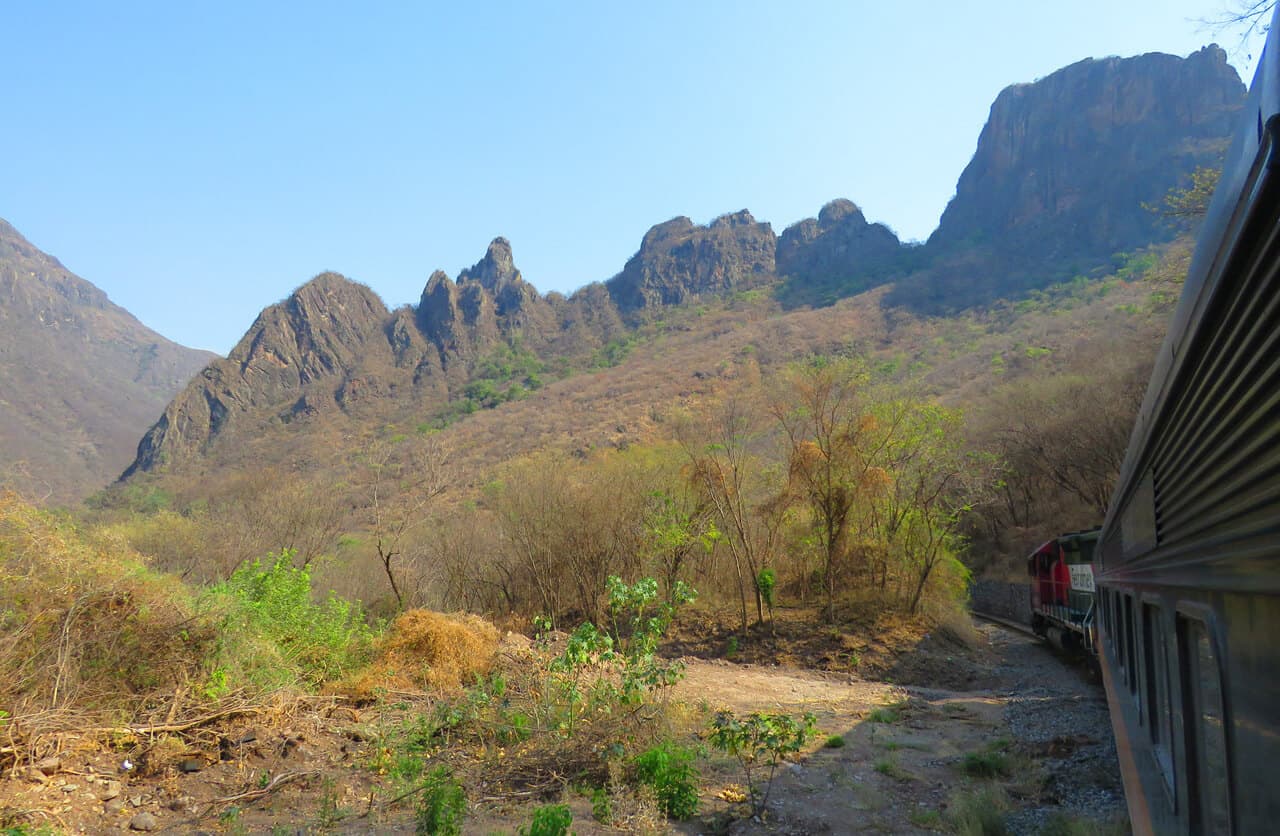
[[425, 650]]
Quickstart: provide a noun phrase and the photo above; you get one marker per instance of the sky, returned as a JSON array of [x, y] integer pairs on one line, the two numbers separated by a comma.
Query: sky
[[199, 161]]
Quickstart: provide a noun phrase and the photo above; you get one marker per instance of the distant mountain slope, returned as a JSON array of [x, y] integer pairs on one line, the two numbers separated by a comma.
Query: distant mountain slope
[[80, 377]]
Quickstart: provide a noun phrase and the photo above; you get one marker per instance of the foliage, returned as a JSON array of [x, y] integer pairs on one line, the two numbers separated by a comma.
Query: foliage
[[978, 813], [760, 741], [274, 633], [549, 820], [1189, 203], [442, 803], [990, 762], [669, 769]]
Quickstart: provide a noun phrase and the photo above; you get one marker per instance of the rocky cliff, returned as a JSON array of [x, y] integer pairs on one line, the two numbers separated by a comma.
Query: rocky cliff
[[679, 261], [80, 377], [836, 254], [1063, 167]]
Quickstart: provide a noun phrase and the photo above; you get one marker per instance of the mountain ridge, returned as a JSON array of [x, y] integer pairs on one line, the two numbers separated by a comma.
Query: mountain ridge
[[424, 358], [81, 376]]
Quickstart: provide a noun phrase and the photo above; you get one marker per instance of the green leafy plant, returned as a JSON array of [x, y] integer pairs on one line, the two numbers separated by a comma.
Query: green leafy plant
[[549, 820], [759, 743], [669, 769], [602, 805], [835, 741], [441, 804], [274, 633]]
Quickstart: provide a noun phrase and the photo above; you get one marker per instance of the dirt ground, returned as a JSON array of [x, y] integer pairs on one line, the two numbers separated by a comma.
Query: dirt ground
[[907, 709]]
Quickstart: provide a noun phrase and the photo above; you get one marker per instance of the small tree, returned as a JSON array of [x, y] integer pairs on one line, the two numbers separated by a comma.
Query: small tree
[[760, 742], [401, 477]]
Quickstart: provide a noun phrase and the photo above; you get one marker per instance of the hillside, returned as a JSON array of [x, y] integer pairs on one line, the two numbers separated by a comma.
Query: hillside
[[80, 377]]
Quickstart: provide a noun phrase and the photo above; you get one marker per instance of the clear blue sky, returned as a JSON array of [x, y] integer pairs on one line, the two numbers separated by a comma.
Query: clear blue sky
[[198, 161]]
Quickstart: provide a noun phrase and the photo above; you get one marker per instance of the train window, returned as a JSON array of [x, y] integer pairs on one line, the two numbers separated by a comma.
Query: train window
[[1210, 793], [1156, 677], [1130, 661]]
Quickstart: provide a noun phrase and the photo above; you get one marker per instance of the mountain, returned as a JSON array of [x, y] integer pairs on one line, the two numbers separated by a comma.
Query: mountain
[[836, 254], [1055, 188], [332, 355], [1063, 169], [80, 377]]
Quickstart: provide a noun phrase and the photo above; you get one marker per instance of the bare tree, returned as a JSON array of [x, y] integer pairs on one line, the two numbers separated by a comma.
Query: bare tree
[[399, 479], [736, 488]]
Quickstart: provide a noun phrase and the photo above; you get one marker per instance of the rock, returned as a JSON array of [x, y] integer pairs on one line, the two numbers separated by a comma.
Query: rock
[[678, 261], [144, 821], [49, 765], [34, 775], [70, 787], [836, 254], [113, 806], [136, 800], [110, 790], [1062, 170]]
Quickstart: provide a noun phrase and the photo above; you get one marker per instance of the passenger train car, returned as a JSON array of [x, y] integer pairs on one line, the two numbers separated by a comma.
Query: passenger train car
[[1188, 563]]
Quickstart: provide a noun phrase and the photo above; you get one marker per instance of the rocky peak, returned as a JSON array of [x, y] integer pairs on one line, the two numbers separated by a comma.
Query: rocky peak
[[837, 210], [1079, 151], [678, 260], [496, 270], [835, 254]]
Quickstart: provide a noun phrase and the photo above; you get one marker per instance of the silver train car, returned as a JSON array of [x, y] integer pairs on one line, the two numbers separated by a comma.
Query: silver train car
[[1188, 562]]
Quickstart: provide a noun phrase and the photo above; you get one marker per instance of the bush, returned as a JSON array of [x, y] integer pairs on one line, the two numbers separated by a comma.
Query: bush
[[549, 820], [84, 624], [441, 805], [670, 771], [275, 635], [760, 740]]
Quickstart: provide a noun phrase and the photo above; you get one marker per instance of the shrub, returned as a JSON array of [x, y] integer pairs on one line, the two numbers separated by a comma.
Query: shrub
[[670, 771], [84, 624], [275, 635], [549, 820], [441, 805]]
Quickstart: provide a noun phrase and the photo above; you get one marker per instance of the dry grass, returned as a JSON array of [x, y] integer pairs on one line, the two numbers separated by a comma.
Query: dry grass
[[85, 626], [425, 650]]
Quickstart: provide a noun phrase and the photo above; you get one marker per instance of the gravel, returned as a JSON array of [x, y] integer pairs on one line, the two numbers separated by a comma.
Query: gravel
[[1057, 714]]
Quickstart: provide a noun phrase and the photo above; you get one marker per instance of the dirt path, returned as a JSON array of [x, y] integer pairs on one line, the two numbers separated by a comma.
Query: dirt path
[[901, 768]]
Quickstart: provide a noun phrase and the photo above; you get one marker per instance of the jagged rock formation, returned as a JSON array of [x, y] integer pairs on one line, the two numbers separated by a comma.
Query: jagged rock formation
[[1063, 168], [679, 261], [333, 350], [836, 254], [80, 377]]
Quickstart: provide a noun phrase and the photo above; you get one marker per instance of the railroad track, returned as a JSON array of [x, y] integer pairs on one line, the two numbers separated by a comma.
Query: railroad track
[[1004, 622]]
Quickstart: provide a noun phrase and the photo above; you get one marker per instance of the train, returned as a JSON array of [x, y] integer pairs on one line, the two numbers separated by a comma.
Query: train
[[1178, 593]]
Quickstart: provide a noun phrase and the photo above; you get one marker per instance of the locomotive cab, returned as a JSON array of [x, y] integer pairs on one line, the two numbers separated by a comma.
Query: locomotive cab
[[1062, 592]]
